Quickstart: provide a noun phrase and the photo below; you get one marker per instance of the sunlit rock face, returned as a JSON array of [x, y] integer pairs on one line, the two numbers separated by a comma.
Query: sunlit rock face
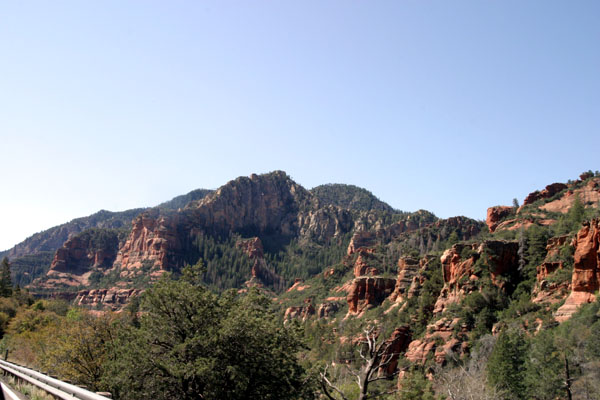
[[586, 270]]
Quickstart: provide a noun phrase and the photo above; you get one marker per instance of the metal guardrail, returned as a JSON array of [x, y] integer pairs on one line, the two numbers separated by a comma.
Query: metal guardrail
[[59, 389], [8, 393]]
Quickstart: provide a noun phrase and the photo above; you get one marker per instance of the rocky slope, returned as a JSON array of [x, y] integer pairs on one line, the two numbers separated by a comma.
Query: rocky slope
[[93, 250], [546, 206], [53, 238], [349, 197], [586, 270], [29, 258], [270, 206]]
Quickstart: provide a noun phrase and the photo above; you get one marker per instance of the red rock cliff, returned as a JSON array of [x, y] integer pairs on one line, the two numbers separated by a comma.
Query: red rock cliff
[[80, 255], [586, 270], [460, 278], [496, 214], [262, 275]]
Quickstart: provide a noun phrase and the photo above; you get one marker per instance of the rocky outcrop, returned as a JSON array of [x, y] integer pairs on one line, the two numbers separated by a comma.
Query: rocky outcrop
[[363, 264], [368, 292], [155, 242], [545, 290], [53, 238], [262, 275], [298, 285], [496, 214], [270, 204], [324, 223], [588, 195], [547, 193], [81, 255], [113, 298], [439, 341], [586, 270], [411, 277], [328, 309], [361, 240], [302, 312], [395, 346], [92, 249], [258, 204], [460, 277], [408, 271]]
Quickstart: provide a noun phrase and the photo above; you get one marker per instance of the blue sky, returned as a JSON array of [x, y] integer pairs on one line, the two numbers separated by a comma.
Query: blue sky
[[447, 106]]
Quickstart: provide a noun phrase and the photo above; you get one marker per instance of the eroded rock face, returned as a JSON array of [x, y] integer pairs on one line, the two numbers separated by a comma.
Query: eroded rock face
[[548, 192], [439, 341], [302, 312], [367, 292], [362, 265], [410, 278], [398, 343], [589, 195], [459, 275], [546, 291], [154, 240], [262, 275], [586, 270], [269, 204], [80, 255], [361, 240], [328, 309], [113, 298], [496, 214]]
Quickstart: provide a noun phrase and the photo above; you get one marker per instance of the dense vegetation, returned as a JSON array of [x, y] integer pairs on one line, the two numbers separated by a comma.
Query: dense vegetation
[[350, 197], [193, 335], [188, 343]]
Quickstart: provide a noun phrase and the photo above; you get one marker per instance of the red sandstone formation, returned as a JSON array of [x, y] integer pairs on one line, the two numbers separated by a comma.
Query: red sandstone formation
[[262, 275], [152, 239], [359, 240], [361, 265], [438, 341], [368, 292], [410, 279], [586, 270], [253, 248], [459, 275], [327, 309], [397, 344], [545, 291], [78, 258], [548, 192], [302, 312], [113, 298], [298, 286], [589, 195], [408, 269], [496, 214]]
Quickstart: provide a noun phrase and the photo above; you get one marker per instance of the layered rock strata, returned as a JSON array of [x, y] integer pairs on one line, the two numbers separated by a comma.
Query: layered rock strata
[[586, 270]]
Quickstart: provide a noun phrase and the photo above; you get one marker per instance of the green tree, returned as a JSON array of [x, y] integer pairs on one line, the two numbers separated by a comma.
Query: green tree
[[506, 365], [5, 281], [544, 368], [193, 344], [416, 387]]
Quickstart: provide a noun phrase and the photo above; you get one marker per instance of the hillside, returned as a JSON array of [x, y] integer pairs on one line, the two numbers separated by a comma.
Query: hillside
[[452, 297], [349, 196]]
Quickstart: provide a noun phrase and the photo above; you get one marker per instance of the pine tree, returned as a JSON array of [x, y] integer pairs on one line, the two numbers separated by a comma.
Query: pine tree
[[5, 281], [506, 366]]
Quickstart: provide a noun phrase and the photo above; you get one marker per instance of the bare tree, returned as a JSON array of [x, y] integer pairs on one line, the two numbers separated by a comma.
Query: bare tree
[[468, 382], [378, 361]]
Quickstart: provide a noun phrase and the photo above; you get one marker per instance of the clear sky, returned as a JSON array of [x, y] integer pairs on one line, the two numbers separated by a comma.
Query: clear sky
[[450, 106]]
